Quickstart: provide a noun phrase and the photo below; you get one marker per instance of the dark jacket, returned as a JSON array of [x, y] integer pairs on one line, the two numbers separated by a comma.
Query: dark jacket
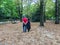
[[28, 24]]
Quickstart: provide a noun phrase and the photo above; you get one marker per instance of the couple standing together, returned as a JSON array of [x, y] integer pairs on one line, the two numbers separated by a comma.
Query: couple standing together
[[26, 24]]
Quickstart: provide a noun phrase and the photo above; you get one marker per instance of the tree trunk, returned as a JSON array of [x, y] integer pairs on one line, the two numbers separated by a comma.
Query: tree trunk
[[44, 10], [20, 8], [41, 13], [56, 13]]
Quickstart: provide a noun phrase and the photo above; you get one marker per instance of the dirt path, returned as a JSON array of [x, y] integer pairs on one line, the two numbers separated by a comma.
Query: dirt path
[[11, 34]]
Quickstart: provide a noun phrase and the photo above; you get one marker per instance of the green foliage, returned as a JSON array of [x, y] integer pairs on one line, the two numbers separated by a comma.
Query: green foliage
[[50, 9], [8, 9]]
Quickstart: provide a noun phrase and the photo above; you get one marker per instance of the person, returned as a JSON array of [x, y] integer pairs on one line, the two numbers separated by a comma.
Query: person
[[28, 25], [25, 21]]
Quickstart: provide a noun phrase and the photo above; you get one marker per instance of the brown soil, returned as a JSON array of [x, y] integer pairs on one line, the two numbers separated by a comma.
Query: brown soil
[[12, 34]]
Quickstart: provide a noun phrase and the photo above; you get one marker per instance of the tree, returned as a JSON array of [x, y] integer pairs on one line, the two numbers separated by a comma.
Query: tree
[[41, 13], [56, 13], [19, 8], [44, 8], [28, 6]]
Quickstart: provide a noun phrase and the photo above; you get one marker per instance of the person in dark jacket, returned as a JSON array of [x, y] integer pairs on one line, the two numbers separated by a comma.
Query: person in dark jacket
[[28, 25]]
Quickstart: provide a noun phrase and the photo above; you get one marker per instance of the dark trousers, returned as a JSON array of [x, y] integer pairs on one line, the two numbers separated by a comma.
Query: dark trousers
[[24, 28]]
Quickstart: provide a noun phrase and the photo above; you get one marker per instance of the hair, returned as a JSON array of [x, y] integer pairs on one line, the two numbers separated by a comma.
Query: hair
[[28, 19], [23, 16]]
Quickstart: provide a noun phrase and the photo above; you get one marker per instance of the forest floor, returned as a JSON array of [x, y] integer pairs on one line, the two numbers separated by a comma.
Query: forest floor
[[12, 34]]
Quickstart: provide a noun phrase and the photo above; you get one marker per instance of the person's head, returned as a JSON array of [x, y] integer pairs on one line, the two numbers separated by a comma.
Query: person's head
[[28, 19], [23, 16]]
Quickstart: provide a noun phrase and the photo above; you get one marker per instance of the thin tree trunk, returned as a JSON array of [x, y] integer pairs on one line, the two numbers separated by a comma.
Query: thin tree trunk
[[44, 10], [20, 8], [41, 13], [56, 13]]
